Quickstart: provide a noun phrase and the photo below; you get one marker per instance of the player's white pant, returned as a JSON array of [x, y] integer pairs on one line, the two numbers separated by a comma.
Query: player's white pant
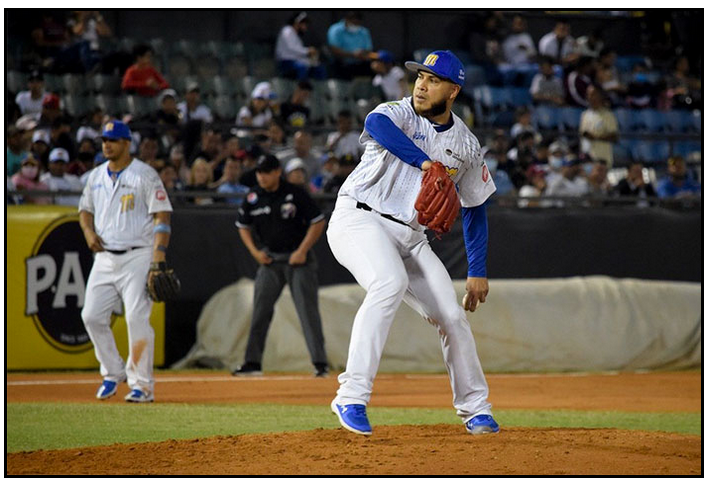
[[393, 262], [114, 278]]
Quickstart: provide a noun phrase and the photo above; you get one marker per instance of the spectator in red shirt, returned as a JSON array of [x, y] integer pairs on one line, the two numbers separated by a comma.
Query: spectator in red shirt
[[142, 78]]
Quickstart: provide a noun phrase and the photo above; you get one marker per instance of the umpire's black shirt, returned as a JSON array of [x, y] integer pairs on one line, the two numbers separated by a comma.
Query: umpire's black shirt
[[280, 219]]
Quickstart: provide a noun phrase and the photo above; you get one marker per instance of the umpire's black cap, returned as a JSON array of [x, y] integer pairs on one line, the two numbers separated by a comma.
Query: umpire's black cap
[[267, 163]]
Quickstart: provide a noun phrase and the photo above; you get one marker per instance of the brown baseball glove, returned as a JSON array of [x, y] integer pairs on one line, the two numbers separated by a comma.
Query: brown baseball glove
[[437, 203], [163, 284]]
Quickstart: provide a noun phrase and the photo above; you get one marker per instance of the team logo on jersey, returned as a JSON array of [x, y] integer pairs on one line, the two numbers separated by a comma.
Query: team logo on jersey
[[419, 136], [457, 157], [288, 210], [484, 173], [160, 195], [431, 59], [252, 198], [451, 170], [56, 275]]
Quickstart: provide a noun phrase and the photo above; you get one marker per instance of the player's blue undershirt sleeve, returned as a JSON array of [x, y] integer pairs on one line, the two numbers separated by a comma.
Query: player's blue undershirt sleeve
[[476, 239], [387, 134]]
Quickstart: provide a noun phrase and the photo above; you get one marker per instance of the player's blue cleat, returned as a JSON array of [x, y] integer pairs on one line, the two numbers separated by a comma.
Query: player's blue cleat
[[353, 417], [139, 396], [482, 424], [107, 389]]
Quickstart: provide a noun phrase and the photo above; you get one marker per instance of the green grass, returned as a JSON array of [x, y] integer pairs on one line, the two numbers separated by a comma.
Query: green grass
[[32, 426]]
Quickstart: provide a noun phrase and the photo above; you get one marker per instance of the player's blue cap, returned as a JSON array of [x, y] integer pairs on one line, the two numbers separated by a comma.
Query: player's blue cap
[[116, 130], [441, 63]]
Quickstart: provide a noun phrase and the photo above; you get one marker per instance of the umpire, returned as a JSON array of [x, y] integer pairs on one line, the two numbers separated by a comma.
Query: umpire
[[287, 223]]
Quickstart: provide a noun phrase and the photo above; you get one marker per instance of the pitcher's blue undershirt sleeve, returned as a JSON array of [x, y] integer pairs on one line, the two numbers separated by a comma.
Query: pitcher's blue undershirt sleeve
[[387, 134], [476, 239]]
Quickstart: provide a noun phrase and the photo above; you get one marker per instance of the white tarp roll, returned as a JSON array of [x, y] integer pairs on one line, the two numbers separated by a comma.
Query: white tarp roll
[[570, 324]]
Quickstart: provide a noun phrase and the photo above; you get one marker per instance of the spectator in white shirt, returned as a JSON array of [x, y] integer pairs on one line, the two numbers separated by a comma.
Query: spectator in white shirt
[[569, 182], [57, 178], [519, 48], [258, 112], [547, 88], [558, 44], [30, 101], [191, 109], [345, 140], [389, 77], [295, 60], [598, 127]]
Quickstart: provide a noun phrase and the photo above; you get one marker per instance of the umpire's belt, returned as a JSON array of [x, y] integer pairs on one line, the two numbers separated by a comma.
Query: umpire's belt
[[366, 207], [122, 252]]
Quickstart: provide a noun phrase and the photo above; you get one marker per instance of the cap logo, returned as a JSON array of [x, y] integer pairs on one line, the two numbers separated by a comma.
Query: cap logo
[[109, 126], [431, 59]]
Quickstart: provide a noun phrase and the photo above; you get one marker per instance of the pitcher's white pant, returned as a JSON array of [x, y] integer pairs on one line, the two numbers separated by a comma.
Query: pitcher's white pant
[[114, 278], [393, 262]]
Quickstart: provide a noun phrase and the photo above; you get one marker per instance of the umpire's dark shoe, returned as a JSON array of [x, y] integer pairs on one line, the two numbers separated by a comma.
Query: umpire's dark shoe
[[321, 370], [248, 369]]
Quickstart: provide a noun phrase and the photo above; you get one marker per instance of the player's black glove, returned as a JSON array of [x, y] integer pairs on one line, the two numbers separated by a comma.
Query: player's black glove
[[163, 284]]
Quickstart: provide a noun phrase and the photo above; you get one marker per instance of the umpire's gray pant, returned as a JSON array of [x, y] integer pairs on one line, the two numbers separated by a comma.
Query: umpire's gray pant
[[269, 283]]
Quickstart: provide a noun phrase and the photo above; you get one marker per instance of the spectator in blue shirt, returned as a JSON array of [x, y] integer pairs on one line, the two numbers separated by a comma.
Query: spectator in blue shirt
[[351, 47], [679, 183], [230, 183]]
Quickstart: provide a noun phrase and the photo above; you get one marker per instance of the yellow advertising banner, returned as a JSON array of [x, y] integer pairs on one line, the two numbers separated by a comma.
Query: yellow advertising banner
[[47, 263]]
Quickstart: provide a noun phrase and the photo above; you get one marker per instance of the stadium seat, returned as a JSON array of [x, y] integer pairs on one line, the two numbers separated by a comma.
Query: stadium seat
[[222, 86], [77, 105], [248, 83], [337, 89], [546, 117], [570, 116], [420, 54], [625, 119], [696, 121], [208, 66], [653, 121], [178, 66], [75, 84], [15, 81], [53, 83], [223, 107], [495, 98], [112, 105], [475, 76], [678, 121], [235, 68], [651, 152], [185, 47], [139, 106], [518, 76], [687, 148], [283, 88], [126, 44], [621, 154], [520, 96], [625, 63], [105, 84], [362, 88]]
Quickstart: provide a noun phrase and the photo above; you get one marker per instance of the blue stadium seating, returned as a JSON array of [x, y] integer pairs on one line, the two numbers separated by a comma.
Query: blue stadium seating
[[570, 116], [686, 148], [651, 120], [625, 119], [651, 151], [547, 117], [519, 96]]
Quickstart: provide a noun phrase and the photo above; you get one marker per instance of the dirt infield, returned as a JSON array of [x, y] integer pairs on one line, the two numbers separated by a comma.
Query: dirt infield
[[439, 449]]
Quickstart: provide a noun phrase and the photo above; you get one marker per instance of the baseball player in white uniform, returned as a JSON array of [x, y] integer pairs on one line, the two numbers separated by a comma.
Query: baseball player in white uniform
[[374, 233], [125, 214]]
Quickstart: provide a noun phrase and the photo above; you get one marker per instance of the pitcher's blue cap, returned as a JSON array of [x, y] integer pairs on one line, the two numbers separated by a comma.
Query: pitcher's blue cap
[[116, 130], [441, 63]]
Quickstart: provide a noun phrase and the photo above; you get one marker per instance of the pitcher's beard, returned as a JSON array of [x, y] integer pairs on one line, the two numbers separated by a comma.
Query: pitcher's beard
[[435, 110]]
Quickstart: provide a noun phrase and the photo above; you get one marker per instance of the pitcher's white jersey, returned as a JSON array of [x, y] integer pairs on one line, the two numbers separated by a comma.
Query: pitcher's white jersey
[[390, 186], [123, 210]]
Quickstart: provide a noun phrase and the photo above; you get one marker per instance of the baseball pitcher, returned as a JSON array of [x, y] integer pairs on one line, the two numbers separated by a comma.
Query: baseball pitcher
[[420, 167]]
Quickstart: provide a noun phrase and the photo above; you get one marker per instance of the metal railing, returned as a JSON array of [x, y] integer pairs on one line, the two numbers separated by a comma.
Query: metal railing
[[326, 201]]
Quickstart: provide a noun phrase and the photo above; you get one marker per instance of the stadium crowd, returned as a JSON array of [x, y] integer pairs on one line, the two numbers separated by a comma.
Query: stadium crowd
[[199, 139]]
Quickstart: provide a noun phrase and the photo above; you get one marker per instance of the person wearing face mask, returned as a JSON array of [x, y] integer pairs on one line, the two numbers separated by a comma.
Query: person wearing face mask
[[28, 178], [351, 46], [57, 178], [503, 183], [84, 160], [557, 152]]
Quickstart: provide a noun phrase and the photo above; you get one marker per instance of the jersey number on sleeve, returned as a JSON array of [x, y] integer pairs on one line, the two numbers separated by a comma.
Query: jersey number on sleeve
[[127, 202]]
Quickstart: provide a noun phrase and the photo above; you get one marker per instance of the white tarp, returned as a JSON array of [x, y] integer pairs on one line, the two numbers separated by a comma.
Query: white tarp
[[570, 324]]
